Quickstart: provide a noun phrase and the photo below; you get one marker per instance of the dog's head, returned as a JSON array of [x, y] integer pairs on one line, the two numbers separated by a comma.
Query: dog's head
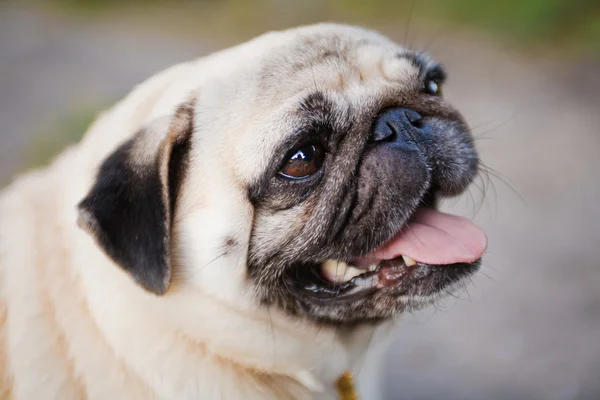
[[302, 172]]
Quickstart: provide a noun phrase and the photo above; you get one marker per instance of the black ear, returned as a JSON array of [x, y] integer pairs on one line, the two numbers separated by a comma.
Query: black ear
[[129, 210]]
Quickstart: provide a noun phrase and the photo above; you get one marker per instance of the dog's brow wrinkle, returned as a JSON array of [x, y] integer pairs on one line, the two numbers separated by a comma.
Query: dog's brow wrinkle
[[416, 59]]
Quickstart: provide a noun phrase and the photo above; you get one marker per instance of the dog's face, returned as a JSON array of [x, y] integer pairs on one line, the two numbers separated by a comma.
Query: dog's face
[[304, 175]]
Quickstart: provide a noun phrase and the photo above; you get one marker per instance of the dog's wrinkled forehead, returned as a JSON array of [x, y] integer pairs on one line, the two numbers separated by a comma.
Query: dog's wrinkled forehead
[[339, 61]]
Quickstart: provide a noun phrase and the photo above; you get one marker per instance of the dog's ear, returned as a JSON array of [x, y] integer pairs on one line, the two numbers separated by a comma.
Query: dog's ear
[[129, 210]]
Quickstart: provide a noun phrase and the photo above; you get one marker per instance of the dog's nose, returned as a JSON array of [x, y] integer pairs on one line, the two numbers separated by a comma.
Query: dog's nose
[[398, 125]]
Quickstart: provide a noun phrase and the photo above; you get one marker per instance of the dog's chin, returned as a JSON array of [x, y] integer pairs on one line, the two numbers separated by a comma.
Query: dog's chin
[[350, 292]]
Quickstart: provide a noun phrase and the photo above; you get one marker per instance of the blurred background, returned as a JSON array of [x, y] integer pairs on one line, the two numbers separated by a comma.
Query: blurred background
[[525, 73]]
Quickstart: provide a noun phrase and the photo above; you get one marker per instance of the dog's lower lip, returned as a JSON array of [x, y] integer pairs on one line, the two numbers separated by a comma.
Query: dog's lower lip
[[391, 276], [386, 275]]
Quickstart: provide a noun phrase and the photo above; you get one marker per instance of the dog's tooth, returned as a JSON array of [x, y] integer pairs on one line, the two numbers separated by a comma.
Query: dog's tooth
[[338, 271], [333, 270], [372, 267], [409, 261], [351, 272]]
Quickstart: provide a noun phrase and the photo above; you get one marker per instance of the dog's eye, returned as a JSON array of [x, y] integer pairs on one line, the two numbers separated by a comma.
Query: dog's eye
[[303, 161], [433, 88]]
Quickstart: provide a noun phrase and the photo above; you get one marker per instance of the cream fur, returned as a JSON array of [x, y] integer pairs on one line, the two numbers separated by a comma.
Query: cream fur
[[75, 326]]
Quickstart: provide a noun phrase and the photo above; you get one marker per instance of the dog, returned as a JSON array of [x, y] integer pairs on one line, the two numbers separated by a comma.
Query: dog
[[238, 226]]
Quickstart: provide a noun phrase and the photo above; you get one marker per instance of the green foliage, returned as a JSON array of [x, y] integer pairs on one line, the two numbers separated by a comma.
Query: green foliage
[[546, 21], [558, 23]]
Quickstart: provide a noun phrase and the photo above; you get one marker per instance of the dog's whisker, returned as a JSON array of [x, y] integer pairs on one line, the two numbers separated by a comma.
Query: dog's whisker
[[342, 280], [488, 276], [434, 38], [361, 362], [472, 201], [488, 183], [415, 235], [494, 128], [477, 205], [407, 29], [274, 342], [502, 178], [207, 264]]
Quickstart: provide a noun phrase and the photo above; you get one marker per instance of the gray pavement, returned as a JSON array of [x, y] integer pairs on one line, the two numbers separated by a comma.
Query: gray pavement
[[529, 327]]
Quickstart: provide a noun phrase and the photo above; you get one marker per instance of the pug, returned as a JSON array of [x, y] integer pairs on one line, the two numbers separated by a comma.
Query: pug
[[238, 226]]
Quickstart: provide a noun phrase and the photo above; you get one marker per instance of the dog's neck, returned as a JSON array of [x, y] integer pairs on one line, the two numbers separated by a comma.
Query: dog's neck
[[183, 336]]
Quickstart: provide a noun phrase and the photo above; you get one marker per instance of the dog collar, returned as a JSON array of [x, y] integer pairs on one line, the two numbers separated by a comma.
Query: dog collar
[[345, 387]]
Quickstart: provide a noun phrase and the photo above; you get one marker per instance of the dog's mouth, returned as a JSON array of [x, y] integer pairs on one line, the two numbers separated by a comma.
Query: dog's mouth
[[431, 252]]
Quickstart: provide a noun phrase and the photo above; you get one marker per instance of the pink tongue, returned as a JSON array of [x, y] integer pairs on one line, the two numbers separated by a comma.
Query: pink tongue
[[433, 237]]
